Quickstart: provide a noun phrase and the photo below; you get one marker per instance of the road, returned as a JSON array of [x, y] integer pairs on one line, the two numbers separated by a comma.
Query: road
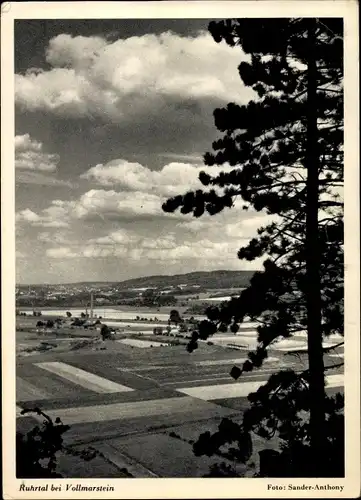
[[125, 400]]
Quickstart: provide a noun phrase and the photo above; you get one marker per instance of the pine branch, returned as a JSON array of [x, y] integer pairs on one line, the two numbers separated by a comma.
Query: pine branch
[[330, 90], [330, 204], [332, 367], [331, 348], [296, 352]]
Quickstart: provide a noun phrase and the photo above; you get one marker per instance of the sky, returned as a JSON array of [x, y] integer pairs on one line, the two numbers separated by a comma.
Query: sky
[[112, 117]]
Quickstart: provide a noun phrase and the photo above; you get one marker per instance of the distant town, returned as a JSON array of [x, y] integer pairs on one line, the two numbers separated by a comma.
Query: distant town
[[151, 291]]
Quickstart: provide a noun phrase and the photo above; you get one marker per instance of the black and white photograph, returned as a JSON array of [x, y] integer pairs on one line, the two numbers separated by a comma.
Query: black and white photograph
[[180, 286]]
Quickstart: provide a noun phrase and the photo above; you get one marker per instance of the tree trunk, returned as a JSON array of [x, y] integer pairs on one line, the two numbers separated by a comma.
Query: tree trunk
[[313, 290]]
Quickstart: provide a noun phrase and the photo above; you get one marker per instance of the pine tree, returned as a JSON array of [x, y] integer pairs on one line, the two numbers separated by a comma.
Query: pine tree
[[284, 156]]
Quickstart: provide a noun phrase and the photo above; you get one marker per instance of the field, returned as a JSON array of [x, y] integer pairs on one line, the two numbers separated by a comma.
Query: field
[[141, 399]]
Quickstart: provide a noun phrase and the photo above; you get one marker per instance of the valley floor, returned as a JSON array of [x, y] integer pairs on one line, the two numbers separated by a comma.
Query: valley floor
[[142, 407]]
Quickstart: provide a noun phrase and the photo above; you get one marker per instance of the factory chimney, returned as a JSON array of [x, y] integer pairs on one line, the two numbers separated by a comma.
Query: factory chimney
[[91, 305]]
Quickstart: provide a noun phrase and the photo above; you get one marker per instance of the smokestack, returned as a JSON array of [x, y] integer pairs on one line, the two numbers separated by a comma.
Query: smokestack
[[91, 305]]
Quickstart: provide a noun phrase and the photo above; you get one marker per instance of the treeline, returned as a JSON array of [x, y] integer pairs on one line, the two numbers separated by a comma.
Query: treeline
[[158, 300], [197, 308], [153, 298]]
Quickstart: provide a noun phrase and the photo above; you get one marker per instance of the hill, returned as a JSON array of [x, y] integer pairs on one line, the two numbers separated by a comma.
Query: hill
[[206, 279]]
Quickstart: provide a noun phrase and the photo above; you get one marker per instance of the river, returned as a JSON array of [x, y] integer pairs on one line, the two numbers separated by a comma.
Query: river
[[108, 313]]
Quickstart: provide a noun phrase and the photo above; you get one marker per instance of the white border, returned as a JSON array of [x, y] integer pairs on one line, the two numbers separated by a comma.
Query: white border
[[186, 488]]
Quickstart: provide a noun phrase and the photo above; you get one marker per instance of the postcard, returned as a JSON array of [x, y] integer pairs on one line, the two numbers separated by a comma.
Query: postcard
[[180, 242]]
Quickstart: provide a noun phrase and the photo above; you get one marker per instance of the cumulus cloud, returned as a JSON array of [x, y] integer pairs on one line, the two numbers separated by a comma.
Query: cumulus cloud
[[27, 215], [118, 80], [208, 242], [160, 250], [58, 237], [29, 155], [119, 237], [115, 205], [174, 178], [50, 217], [233, 224], [175, 240], [136, 247], [140, 193], [86, 251], [213, 245], [61, 253], [139, 196], [25, 143], [97, 204]]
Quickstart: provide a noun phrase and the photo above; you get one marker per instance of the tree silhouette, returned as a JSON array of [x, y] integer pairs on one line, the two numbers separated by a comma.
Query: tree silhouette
[[283, 153], [149, 297], [37, 451], [105, 332], [174, 317]]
